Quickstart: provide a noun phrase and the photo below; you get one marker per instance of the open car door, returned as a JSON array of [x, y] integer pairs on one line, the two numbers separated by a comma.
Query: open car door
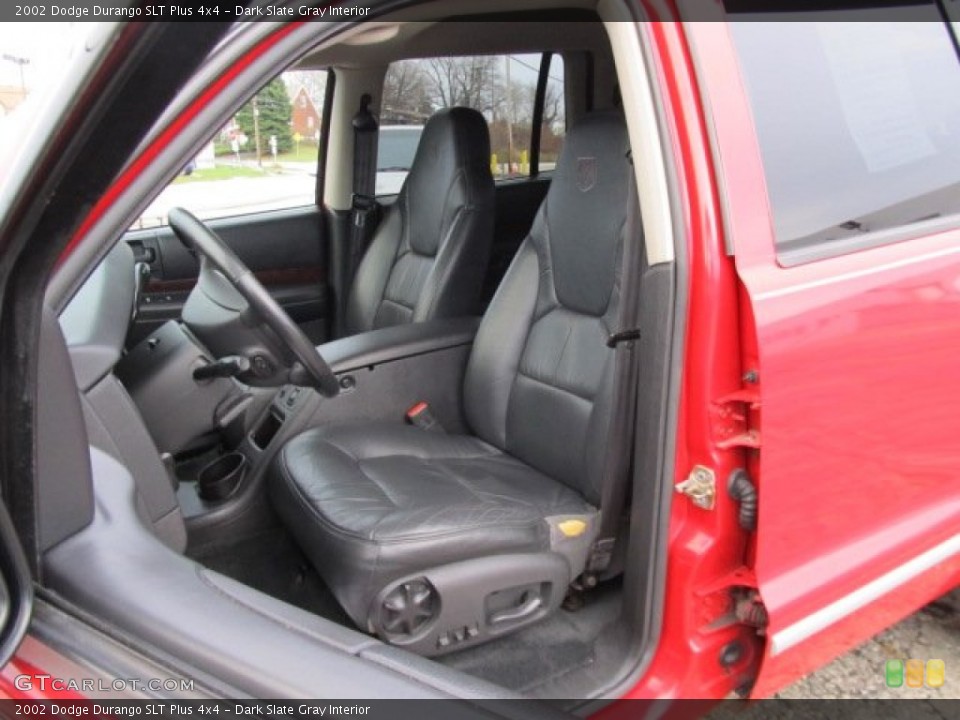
[[16, 590], [71, 152], [849, 317]]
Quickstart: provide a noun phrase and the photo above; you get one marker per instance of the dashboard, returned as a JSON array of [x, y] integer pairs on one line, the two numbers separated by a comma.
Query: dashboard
[[96, 321]]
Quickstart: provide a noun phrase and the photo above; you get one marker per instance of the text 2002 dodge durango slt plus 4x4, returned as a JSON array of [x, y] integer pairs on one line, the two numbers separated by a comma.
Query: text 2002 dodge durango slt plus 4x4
[[640, 382]]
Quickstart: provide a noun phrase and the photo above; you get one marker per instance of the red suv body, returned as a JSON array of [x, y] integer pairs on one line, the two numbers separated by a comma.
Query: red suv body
[[821, 363]]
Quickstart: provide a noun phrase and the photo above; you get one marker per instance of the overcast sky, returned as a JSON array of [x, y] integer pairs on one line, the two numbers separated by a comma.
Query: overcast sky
[[45, 44]]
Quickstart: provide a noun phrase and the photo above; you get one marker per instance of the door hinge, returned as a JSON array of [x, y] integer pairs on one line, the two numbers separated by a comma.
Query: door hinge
[[700, 486], [731, 418]]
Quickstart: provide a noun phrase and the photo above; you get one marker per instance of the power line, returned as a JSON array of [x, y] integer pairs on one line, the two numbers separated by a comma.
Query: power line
[[536, 70], [20, 62]]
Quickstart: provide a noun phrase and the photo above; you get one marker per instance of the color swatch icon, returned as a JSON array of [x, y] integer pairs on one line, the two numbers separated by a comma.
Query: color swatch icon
[[914, 673], [894, 673], [936, 673]]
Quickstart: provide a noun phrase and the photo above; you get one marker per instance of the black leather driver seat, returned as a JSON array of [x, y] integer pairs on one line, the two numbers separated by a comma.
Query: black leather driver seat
[[428, 257], [435, 541]]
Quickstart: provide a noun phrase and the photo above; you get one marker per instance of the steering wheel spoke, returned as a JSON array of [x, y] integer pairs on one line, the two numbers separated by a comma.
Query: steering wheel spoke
[[309, 369]]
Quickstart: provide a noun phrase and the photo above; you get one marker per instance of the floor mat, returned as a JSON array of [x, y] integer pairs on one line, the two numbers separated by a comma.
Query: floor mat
[[542, 654], [272, 563], [538, 661]]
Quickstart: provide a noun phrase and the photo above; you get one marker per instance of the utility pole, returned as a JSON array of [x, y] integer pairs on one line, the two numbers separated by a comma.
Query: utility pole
[[20, 61], [256, 130], [506, 60]]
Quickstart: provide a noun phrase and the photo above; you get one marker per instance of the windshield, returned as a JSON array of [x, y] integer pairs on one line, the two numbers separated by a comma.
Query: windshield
[[33, 56], [396, 148]]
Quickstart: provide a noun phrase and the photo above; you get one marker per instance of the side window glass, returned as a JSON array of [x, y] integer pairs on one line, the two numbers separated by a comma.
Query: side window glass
[[554, 125], [263, 159], [858, 122], [501, 87]]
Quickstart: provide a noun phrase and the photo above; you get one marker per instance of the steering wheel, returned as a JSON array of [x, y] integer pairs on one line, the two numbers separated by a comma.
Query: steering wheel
[[196, 235]]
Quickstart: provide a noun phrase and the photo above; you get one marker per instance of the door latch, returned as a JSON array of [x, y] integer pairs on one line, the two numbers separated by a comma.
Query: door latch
[[700, 486]]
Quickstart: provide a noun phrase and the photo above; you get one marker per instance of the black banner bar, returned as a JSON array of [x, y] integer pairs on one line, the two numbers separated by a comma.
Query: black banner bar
[[905, 709], [320, 11]]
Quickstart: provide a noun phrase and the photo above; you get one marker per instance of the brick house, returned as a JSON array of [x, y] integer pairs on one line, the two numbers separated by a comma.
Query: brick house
[[305, 118]]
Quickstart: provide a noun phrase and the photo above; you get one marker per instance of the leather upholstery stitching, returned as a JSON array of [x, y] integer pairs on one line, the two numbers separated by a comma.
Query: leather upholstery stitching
[[555, 386], [438, 287]]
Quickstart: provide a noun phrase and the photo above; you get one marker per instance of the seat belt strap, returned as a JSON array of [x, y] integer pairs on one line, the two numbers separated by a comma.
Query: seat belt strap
[[365, 210], [616, 472]]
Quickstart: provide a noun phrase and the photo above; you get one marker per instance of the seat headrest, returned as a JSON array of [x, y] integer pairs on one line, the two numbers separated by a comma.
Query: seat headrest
[[455, 145], [458, 130], [585, 211]]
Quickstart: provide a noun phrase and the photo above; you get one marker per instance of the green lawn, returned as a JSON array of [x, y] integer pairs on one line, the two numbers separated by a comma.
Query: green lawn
[[225, 172], [220, 172], [225, 168], [307, 152]]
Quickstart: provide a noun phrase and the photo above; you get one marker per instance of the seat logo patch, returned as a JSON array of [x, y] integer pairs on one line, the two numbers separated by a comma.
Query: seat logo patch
[[586, 173]]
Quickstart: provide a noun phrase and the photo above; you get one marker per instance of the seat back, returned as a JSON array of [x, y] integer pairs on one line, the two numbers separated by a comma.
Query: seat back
[[429, 255], [540, 375]]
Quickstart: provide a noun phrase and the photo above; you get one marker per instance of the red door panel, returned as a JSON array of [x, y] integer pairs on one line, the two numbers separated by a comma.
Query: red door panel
[[859, 380], [859, 388]]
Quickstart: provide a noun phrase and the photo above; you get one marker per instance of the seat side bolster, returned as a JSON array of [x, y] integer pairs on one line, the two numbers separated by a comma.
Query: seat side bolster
[[495, 359]]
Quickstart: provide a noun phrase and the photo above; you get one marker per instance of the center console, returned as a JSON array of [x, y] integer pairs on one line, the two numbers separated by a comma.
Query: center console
[[382, 373]]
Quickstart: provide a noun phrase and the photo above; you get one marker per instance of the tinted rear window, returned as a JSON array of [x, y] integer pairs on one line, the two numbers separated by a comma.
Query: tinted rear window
[[858, 120]]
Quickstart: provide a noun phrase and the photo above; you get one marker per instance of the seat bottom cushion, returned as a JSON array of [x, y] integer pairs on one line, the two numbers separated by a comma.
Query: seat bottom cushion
[[373, 503]]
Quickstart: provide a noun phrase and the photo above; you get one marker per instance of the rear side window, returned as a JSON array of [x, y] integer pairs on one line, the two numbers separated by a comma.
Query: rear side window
[[858, 119], [501, 87]]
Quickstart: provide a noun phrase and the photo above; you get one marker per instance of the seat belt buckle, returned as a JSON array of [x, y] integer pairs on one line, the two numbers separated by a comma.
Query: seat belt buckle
[[421, 416]]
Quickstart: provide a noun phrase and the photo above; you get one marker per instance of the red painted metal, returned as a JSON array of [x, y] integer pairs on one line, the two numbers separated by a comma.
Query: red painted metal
[[18, 665], [706, 548], [858, 445], [859, 389]]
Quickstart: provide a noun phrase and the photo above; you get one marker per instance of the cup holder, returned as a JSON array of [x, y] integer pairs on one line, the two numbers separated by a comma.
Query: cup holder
[[219, 479]]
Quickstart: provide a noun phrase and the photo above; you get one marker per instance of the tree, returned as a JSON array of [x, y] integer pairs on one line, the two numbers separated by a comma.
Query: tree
[[467, 81], [273, 102], [553, 110], [405, 95]]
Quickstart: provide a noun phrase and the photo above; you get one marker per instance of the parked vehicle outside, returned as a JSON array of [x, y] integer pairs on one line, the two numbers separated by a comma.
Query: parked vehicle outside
[[396, 146]]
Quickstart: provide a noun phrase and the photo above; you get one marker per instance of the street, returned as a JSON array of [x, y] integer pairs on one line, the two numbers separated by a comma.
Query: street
[[285, 186], [932, 633]]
